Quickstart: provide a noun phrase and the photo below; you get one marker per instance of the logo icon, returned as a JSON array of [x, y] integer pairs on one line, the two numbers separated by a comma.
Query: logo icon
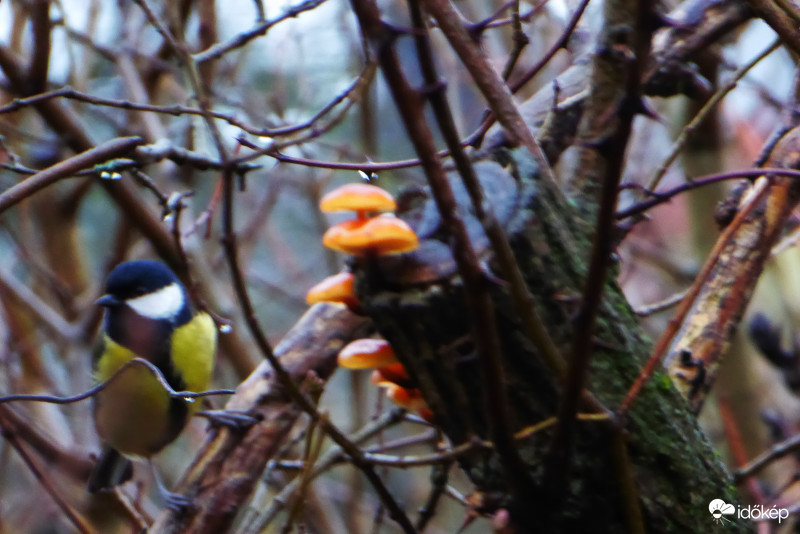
[[720, 508]]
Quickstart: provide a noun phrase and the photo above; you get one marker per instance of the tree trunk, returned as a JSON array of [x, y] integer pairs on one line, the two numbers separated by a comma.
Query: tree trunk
[[418, 304]]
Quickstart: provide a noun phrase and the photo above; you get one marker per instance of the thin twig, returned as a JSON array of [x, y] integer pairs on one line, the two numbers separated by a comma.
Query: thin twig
[[146, 182], [158, 25], [780, 21], [108, 150], [328, 460], [424, 460], [144, 155], [44, 313], [704, 112], [192, 73], [788, 241], [427, 437], [456, 495], [737, 447], [366, 166], [261, 29], [163, 149], [351, 93], [665, 196], [634, 517], [53, 399], [523, 17], [761, 461], [41, 475], [312, 450], [439, 475], [562, 41], [661, 305], [519, 38]]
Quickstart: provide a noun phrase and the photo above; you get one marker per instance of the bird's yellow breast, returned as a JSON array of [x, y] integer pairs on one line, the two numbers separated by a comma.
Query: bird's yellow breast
[[134, 413], [193, 348]]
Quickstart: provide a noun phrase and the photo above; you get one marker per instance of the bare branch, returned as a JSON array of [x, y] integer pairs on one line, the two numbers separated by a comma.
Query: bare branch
[[107, 151], [261, 29]]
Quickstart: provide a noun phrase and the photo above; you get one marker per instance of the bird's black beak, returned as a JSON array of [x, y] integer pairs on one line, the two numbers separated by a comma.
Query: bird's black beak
[[108, 301]]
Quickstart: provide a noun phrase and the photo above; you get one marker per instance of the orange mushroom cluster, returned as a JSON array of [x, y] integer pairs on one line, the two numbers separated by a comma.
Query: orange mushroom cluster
[[380, 235], [389, 373], [369, 233], [375, 233]]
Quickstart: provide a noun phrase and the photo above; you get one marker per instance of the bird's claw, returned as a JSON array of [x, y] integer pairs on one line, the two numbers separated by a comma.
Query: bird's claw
[[234, 419]]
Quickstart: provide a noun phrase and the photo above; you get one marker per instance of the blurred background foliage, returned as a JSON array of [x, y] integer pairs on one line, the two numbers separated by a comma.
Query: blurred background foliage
[[57, 246]]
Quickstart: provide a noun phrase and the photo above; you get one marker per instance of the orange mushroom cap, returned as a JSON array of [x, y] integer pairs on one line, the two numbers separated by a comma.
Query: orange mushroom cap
[[367, 354], [339, 235], [381, 235], [358, 197], [410, 399], [336, 288], [394, 374]]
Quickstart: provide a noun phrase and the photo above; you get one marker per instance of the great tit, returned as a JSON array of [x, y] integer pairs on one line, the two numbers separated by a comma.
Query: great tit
[[148, 315]]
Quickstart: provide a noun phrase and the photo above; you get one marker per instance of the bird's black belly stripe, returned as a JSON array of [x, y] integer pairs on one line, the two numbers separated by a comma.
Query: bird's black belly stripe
[[149, 339]]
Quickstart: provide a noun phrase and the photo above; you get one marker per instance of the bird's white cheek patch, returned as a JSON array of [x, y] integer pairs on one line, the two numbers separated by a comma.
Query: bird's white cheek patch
[[162, 304]]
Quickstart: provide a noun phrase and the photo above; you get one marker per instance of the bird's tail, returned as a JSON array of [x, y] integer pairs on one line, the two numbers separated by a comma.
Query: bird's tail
[[110, 470]]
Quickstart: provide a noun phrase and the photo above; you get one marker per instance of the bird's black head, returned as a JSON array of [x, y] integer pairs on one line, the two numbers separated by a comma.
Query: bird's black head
[[138, 277], [150, 288]]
